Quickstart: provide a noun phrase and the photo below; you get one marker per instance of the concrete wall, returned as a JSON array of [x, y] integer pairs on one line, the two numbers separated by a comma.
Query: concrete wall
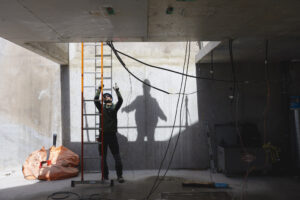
[[143, 115], [215, 106], [30, 107], [293, 89]]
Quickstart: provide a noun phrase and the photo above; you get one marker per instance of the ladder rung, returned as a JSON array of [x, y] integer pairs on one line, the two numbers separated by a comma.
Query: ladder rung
[[89, 45], [92, 58], [91, 114], [91, 86], [91, 128], [106, 66], [98, 78], [106, 55], [90, 100], [97, 58], [92, 72], [93, 45]]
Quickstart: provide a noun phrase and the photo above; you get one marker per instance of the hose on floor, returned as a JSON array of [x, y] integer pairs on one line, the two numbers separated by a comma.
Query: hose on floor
[[66, 195]]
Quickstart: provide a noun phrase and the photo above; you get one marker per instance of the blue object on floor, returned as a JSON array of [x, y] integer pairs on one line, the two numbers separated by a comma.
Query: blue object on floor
[[221, 185]]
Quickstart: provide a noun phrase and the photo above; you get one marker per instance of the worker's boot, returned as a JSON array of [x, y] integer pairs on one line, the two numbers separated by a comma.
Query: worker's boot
[[121, 179]]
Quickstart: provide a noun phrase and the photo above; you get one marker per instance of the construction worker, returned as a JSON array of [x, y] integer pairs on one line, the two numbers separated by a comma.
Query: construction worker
[[110, 130]]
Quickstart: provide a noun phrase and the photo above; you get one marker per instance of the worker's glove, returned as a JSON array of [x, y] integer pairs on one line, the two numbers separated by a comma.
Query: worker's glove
[[100, 88], [116, 88]]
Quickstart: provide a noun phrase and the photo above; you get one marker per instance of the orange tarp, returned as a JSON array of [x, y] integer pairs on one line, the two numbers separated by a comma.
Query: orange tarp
[[63, 164]]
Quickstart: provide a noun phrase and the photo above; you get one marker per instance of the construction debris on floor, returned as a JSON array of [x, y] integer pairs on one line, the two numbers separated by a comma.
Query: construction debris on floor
[[189, 183], [54, 164]]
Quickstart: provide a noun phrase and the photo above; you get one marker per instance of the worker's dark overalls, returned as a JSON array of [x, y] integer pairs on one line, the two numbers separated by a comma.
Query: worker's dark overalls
[[110, 133]]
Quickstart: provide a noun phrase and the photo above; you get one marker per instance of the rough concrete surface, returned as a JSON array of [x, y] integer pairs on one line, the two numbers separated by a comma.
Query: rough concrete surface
[[142, 20], [138, 184], [215, 106], [57, 52], [30, 104], [146, 117]]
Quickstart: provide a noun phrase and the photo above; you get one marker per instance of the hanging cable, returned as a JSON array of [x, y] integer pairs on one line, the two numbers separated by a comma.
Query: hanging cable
[[235, 100], [110, 44], [161, 68], [123, 64], [176, 143], [212, 72], [232, 68], [235, 96], [235, 83], [268, 91], [173, 127]]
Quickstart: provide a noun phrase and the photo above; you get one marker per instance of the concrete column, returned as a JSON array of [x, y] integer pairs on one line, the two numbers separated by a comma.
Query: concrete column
[[65, 103]]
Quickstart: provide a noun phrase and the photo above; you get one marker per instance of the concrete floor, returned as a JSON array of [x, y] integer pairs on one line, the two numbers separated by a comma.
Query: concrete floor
[[139, 182]]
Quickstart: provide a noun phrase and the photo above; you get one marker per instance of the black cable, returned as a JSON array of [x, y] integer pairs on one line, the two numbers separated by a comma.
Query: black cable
[[123, 64], [212, 72], [172, 131], [268, 91], [192, 76], [66, 195], [169, 70], [235, 95], [236, 82], [110, 44], [62, 195], [180, 118], [232, 68], [179, 134]]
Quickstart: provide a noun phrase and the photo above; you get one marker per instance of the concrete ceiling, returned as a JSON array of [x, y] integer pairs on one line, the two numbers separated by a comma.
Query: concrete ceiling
[[214, 20], [142, 20], [72, 20], [35, 23]]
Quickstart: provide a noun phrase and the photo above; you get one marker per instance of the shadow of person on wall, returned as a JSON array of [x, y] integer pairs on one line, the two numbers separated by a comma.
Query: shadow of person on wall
[[147, 112]]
